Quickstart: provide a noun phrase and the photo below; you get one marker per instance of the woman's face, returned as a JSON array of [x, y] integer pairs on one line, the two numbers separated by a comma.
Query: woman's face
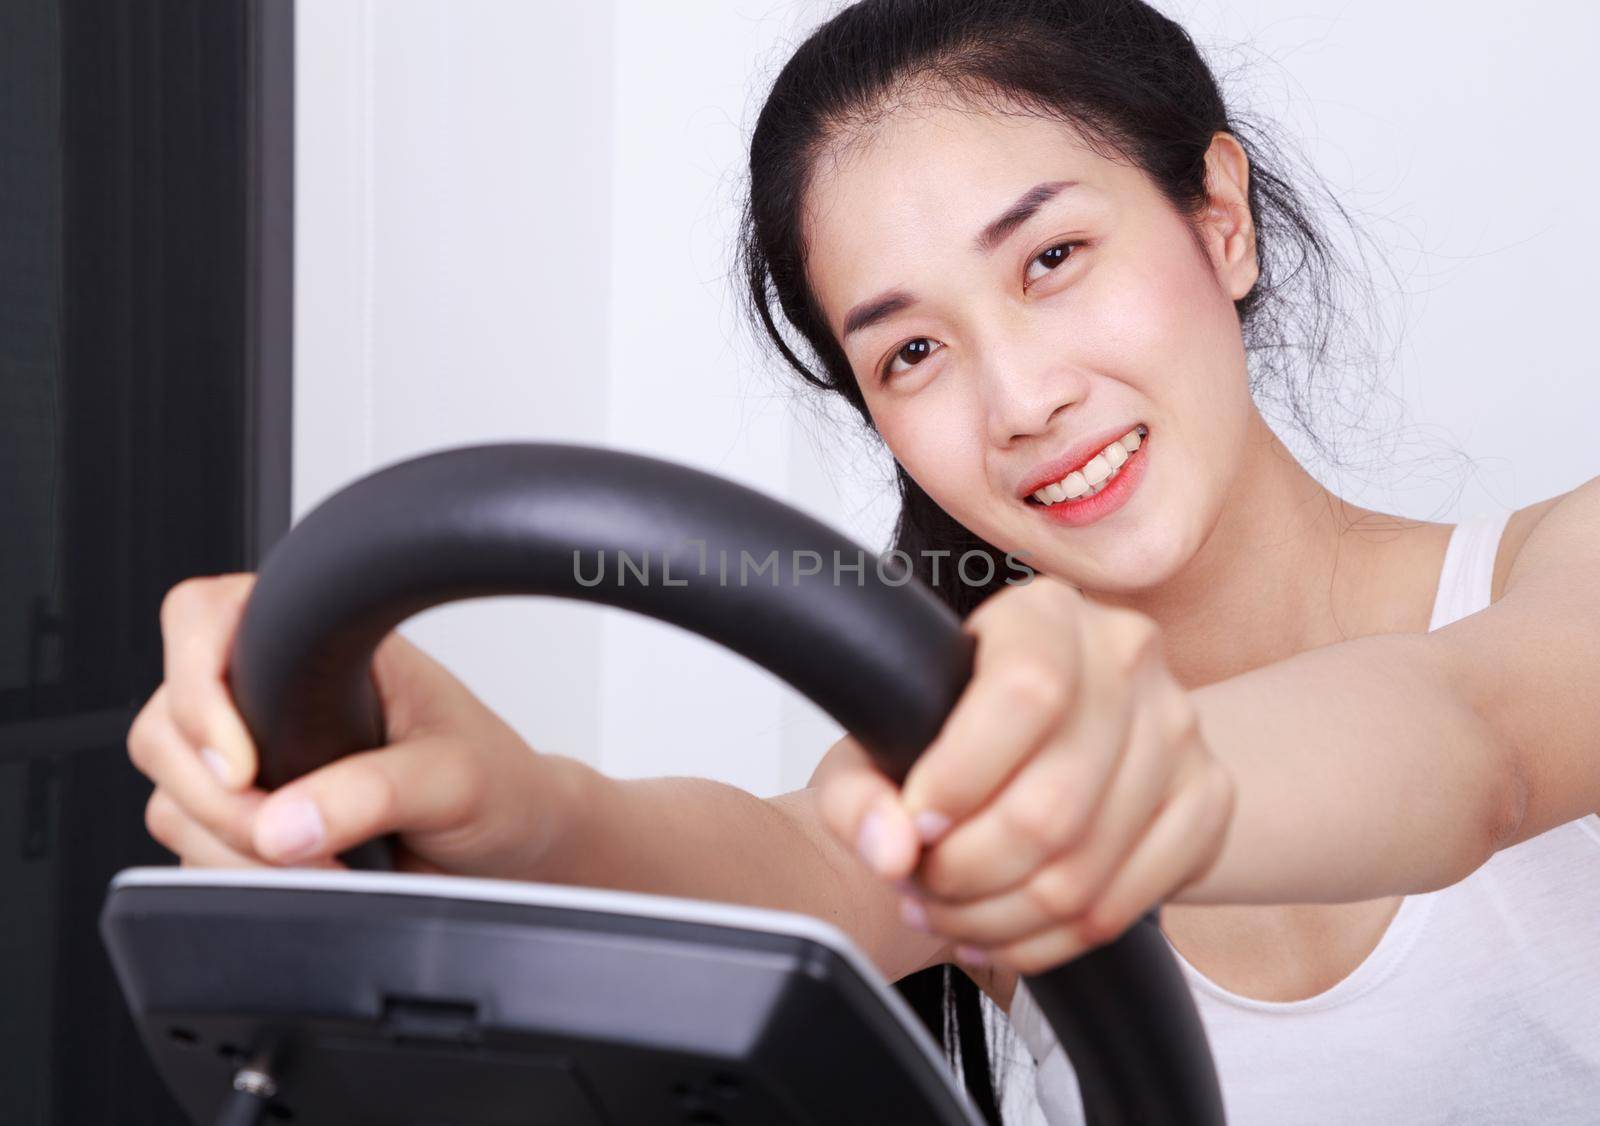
[[1035, 302]]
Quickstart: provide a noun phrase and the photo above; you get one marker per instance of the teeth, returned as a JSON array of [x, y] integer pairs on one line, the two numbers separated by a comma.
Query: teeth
[[1094, 476], [1102, 485], [1097, 470]]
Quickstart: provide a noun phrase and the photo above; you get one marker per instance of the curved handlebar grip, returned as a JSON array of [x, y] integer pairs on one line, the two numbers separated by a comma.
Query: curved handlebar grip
[[873, 648]]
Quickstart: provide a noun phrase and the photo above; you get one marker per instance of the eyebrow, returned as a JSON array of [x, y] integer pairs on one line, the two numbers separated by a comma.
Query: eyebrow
[[1020, 212], [870, 312]]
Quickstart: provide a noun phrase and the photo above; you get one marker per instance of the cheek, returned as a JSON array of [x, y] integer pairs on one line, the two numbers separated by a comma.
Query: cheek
[[1161, 320], [1165, 327], [1166, 330], [937, 435]]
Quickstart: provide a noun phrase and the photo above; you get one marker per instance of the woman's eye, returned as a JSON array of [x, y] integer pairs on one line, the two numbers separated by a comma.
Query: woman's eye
[[1051, 258], [912, 353]]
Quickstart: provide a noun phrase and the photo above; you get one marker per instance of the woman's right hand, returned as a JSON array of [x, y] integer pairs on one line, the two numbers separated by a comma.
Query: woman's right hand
[[461, 790]]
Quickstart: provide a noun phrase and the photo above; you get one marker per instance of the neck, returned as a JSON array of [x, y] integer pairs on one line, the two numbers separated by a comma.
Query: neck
[[1287, 567]]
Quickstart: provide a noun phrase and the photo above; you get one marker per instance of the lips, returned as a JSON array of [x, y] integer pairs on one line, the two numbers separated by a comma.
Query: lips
[[1076, 457]]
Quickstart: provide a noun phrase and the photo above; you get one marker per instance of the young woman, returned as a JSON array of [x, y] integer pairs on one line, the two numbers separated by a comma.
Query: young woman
[[1352, 756]]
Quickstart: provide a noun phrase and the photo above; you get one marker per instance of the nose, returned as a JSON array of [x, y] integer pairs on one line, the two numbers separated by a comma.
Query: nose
[[1026, 384]]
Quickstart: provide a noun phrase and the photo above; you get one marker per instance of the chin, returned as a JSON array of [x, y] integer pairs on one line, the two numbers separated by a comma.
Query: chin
[[1124, 564]]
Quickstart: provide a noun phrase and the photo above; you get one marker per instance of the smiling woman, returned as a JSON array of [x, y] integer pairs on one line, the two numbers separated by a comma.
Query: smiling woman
[[1032, 247], [1107, 278], [1346, 758], [1009, 202]]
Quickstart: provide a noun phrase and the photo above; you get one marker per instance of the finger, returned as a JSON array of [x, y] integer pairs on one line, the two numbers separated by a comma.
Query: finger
[[202, 850], [1064, 888], [1090, 794], [187, 839], [417, 693], [190, 779], [1165, 860], [198, 620], [1182, 844], [420, 787], [861, 807], [1023, 686]]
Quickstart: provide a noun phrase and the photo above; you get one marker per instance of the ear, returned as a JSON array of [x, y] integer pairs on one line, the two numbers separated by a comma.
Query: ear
[[1226, 228]]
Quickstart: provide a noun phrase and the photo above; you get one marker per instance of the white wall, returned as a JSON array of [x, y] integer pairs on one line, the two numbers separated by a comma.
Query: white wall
[[1459, 135], [514, 222], [681, 372], [451, 272]]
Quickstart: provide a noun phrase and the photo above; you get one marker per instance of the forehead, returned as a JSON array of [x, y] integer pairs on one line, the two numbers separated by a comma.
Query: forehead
[[911, 191]]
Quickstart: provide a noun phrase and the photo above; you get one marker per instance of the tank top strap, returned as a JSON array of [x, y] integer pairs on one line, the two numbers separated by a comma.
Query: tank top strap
[[1467, 576]]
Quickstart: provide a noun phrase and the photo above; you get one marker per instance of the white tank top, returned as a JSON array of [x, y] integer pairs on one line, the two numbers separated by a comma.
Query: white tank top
[[1480, 1005]]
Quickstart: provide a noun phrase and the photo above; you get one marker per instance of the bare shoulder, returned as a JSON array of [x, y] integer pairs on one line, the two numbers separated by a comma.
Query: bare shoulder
[[1553, 536], [1531, 659]]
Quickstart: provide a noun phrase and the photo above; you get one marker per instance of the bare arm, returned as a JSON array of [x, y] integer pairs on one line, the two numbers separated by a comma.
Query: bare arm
[[1360, 771], [700, 839], [1400, 763]]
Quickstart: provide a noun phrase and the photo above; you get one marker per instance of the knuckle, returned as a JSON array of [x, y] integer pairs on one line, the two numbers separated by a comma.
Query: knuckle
[[1180, 719], [939, 878], [1060, 892], [1054, 592], [1033, 685], [1044, 595], [939, 786], [188, 716], [1045, 815], [844, 757], [180, 603], [139, 741], [162, 818], [833, 804], [1031, 961], [201, 595], [139, 754], [150, 743], [1102, 923], [232, 826], [978, 619]]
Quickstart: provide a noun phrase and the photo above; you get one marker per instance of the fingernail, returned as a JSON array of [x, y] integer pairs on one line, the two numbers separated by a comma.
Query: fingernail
[[931, 825], [216, 764], [871, 841], [972, 956], [290, 829], [913, 915]]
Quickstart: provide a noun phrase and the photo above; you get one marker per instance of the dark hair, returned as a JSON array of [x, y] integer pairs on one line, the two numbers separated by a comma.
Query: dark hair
[[1136, 88]]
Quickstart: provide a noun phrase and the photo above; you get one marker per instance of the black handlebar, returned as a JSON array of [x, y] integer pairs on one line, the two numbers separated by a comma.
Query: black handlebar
[[874, 649]]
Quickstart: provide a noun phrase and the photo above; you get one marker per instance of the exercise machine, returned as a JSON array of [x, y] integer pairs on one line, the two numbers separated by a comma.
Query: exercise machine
[[370, 997]]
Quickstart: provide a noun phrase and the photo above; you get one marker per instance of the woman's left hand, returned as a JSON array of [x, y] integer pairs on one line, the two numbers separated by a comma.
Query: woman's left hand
[[1067, 794]]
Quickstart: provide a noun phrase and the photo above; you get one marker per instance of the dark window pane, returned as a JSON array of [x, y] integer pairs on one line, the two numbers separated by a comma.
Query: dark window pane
[[143, 414]]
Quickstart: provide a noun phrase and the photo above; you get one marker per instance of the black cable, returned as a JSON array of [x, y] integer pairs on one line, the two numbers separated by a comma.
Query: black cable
[[243, 1108]]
